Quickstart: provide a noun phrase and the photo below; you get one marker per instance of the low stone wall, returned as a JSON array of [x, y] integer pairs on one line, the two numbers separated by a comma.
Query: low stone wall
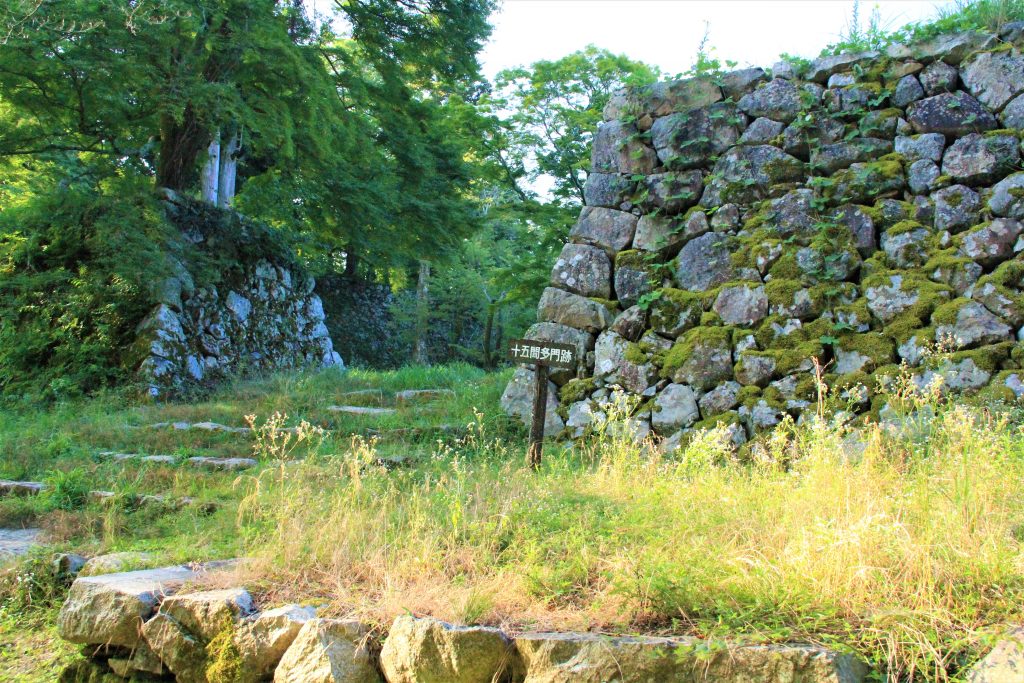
[[857, 211], [133, 624], [260, 314]]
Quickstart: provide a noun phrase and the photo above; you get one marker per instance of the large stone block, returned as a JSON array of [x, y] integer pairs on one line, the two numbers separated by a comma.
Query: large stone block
[[595, 658], [746, 174], [951, 114], [262, 639], [672, 193], [617, 148], [607, 189], [674, 408], [686, 140], [778, 99], [607, 229], [432, 651], [584, 270], [704, 263], [614, 360], [110, 609], [517, 401], [566, 308], [994, 78], [981, 159], [329, 651]]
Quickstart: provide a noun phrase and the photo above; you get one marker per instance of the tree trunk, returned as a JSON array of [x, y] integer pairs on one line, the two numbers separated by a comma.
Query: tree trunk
[[209, 178], [351, 264], [488, 357], [228, 170], [180, 146], [422, 313]]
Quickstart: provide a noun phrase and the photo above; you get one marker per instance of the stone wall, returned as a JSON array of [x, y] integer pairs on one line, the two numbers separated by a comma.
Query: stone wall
[[132, 625], [860, 211], [233, 303]]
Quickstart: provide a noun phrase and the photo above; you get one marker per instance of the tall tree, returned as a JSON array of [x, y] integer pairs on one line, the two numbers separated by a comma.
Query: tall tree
[[556, 107]]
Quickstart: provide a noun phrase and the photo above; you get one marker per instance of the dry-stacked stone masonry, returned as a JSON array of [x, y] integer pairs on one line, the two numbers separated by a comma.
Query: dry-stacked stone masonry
[[856, 211], [259, 313]]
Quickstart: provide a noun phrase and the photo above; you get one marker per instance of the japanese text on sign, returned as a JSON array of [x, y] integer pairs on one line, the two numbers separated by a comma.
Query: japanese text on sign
[[542, 353]]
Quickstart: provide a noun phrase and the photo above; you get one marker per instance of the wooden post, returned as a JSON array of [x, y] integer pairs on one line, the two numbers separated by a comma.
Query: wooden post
[[540, 407]]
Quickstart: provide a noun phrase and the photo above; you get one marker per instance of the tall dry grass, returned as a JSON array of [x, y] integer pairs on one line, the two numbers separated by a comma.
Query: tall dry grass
[[903, 544]]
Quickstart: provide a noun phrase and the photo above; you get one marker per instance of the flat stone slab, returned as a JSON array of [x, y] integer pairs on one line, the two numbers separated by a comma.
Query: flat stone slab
[[376, 395], [143, 499], [156, 459], [20, 488], [201, 426], [224, 464], [595, 658], [16, 542], [419, 395], [361, 410], [203, 462]]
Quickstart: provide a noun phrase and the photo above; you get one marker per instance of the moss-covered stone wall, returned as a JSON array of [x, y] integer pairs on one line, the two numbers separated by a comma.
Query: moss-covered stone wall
[[862, 212], [235, 303]]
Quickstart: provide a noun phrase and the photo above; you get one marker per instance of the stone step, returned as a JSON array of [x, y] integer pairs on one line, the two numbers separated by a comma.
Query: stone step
[[19, 488], [16, 542], [415, 432], [199, 462], [422, 395], [143, 499], [200, 426], [375, 395], [158, 459], [223, 464], [361, 410]]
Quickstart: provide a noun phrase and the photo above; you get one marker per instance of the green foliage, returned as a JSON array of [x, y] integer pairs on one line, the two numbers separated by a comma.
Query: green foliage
[[66, 490], [556, 108], [69, 297]]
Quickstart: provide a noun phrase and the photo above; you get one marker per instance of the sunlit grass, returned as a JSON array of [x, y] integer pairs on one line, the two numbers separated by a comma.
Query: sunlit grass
[[902, 545], [903, 551]]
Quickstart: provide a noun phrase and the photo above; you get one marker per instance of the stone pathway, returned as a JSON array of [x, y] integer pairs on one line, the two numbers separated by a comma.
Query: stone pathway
[[422, 395], [361, 410], [376, 394], [200, 462], [16, 542], [32, 488], [200, 426]]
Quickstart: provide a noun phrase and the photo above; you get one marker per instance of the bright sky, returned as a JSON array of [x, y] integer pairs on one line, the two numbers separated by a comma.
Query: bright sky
[[666, 33]]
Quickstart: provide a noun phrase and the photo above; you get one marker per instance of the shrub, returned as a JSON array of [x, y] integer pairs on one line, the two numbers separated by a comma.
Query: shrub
[[69, 297]]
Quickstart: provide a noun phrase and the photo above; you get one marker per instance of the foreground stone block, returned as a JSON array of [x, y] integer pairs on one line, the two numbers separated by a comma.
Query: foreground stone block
[[432, 651], [205, 614], [952, 114], [110, 609], [593, 658], [329, 651], [1004, 664], [263, 638], [17, 542], [182, 653]]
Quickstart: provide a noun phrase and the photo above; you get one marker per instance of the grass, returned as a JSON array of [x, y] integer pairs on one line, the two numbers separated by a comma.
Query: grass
[[904, 546], [952, 17]]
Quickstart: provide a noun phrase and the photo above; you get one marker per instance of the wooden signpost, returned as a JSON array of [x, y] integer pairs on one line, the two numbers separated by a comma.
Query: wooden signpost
[[542, 355]]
